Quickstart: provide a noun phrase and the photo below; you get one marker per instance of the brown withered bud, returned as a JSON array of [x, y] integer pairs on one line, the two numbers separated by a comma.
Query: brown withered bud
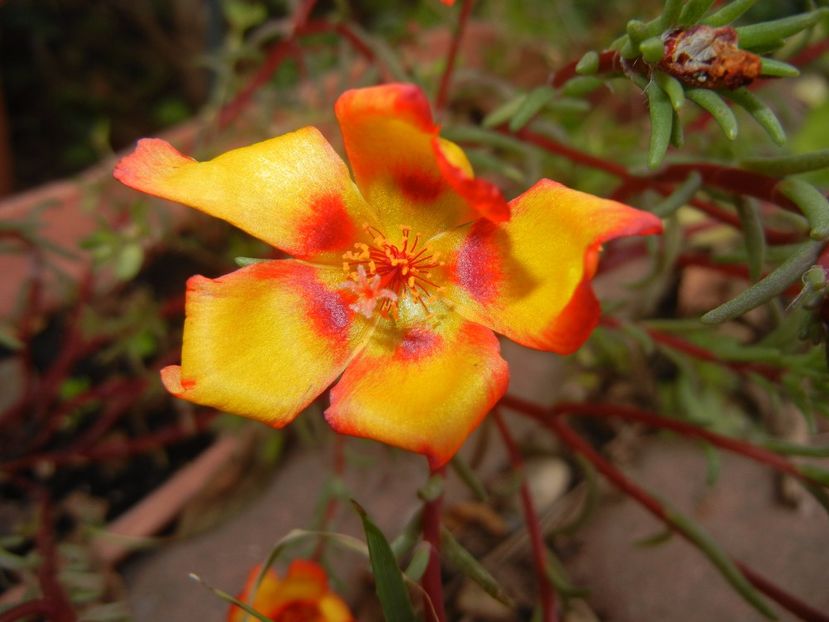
[[707, 57]]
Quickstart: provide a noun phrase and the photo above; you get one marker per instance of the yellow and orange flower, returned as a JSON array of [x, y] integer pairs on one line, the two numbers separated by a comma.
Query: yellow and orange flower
[[302, 596], [398, 281]]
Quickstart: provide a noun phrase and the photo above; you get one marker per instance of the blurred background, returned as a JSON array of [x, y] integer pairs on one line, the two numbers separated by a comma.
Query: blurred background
[[91, 307]]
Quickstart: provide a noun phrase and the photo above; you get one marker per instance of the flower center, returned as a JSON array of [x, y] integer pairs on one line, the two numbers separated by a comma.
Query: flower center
[[382, 273]]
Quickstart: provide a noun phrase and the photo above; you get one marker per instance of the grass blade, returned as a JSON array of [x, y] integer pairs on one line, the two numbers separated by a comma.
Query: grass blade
[[391, 589]]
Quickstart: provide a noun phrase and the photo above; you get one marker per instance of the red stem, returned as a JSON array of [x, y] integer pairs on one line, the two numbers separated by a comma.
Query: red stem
[[809, 54], [27, 609], [629, 413], [618, 479], [431, 582], [573, 154], [698, 352], [545, 589], [111, 450], [451, 56], [53, 592]]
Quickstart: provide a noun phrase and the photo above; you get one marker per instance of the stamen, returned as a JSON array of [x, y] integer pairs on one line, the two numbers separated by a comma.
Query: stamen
[[385, 272]]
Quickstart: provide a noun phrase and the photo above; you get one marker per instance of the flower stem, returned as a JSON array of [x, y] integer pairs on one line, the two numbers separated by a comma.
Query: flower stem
[[545, 590], [431, 582], [567, 435], [604, 411], [451, 56]]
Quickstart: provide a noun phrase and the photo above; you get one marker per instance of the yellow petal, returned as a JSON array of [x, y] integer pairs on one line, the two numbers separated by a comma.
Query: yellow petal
[[293, 191], [529, 278], [266, 340], [423, 385], [267, 593], [393, 147]]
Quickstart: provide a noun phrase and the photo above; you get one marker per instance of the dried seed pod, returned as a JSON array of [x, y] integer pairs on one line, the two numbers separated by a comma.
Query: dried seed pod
[[707, 57]]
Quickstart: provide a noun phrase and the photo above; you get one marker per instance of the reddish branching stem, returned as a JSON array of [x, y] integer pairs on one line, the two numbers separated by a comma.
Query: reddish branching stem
[[566, 434], [452, 55], [730, 179], [303, 25], [47, 573], [431, 582], [629, 413], [698, 352], [545, 589], [24, 611], [112, 450]]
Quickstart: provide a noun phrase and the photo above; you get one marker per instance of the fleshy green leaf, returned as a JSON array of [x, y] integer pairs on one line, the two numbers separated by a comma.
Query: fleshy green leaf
[[247, 261], [581, 85], [670, 14], [420, 560], [465, 563], [777, 68], [534, 102], [504, 112], [671, 86], [764, 34], [679, 197], [729, 13], [716, 556], [789, 165], [811, 202], [661, 114], [407, 538], [694, 11], [652, 49], [760, 111], [468, 477], [754, 236], [717, 108], [588, 64], [773, 285]]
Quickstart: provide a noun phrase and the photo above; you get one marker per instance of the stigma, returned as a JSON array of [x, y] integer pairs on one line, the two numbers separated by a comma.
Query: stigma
[[382, 273]]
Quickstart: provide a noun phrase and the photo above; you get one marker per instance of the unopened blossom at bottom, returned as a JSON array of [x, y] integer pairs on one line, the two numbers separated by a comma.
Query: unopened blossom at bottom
[[399, 276], [302, 595]]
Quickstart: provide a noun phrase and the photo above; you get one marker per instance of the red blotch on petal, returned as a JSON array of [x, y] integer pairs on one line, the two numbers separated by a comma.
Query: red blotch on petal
[[482, 196], [477, 266], [327, 309], [329, 226], [417, 344], [418, 186]]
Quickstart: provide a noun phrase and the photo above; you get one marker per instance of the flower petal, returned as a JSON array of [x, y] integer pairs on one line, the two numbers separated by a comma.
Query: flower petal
[[421, 386], [267, 593], [293, 191], [529, 278], [482, 195], [393, 146], [266, 340]]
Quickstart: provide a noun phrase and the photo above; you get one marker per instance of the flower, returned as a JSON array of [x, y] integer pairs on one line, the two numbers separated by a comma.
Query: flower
[[303, 596], [398, 279]]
